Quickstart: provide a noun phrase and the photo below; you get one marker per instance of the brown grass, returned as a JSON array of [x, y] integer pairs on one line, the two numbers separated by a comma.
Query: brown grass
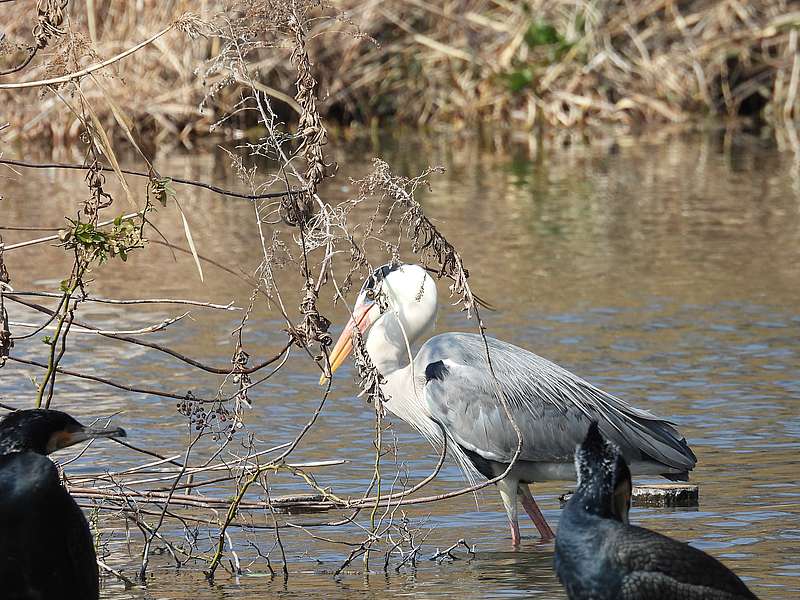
[[556, 63]]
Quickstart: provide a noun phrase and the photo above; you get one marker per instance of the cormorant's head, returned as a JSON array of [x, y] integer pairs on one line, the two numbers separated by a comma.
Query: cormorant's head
[[604, 479], [44, 431]]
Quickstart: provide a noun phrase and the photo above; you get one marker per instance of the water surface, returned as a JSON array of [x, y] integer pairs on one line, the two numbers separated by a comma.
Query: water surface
[[665, 271]]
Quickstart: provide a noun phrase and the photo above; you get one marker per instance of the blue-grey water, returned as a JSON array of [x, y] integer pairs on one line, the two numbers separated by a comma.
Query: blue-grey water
[[666, 271]]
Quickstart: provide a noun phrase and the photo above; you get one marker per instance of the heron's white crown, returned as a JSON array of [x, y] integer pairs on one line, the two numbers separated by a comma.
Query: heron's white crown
[[406, 300]]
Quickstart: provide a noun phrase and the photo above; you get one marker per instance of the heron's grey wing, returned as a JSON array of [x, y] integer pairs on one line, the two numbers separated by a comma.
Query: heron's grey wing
[[660, 567], [466, 403], [551, 406]]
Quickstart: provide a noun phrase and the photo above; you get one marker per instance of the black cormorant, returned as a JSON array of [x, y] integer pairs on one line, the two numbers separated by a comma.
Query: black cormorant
[[46, 549], [599, 556]]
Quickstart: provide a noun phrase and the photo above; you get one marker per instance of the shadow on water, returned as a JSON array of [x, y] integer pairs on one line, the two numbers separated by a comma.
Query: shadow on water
[[663, 270], [530, 571]]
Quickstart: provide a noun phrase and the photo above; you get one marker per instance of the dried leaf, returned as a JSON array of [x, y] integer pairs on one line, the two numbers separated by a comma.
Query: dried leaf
[[189, 239], [125, 122], [106, 147]]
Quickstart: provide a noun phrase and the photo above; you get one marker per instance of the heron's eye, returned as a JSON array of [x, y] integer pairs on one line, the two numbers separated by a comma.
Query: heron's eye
[[370, 293]]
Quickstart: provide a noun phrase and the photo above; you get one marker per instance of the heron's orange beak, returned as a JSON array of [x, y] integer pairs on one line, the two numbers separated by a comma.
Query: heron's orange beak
[[344, 345]]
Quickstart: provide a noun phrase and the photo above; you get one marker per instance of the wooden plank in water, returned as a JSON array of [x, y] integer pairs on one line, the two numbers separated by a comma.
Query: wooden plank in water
[[666, 495], [297, 504], [659, 495]]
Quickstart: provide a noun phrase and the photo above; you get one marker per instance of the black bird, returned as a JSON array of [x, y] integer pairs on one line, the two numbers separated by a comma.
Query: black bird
[[599, 556], [46, 548]]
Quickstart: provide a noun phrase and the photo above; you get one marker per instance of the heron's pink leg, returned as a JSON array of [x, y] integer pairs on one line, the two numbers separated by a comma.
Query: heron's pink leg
[[530, 506], [509, 489], [515, 536]]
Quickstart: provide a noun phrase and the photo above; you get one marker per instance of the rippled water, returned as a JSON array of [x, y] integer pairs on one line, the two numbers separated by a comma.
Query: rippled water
[[665, 271]]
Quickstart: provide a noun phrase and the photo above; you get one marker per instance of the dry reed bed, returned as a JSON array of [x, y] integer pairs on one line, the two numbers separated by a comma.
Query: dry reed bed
[[560, 63]]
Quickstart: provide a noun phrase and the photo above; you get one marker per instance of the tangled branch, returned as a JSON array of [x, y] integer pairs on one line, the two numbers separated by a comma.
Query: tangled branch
[[197, 504]]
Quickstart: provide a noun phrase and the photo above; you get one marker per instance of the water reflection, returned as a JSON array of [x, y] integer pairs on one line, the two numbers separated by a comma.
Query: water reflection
[[665, 271]]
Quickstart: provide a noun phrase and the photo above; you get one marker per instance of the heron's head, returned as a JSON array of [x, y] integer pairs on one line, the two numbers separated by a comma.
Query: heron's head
[[395, 307], [604, 479], [44, 431]]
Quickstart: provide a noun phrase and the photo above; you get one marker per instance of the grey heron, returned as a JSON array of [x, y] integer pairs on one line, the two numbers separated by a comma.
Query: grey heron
[[448, 387], [599, 556]]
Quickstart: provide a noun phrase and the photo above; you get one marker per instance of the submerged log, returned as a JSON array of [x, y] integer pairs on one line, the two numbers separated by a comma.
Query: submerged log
[[297, 504], [666, 495], [659, 495]]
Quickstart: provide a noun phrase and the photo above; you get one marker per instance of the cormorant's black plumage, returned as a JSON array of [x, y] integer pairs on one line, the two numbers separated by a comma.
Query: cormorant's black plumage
[[600, 557], [46, 548]]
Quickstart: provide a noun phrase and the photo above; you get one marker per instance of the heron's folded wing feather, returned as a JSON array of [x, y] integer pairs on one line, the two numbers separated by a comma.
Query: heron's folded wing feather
[[551, 406]]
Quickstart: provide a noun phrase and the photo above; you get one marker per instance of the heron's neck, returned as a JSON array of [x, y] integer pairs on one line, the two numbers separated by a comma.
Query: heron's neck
[[388, 357], [389, 346]]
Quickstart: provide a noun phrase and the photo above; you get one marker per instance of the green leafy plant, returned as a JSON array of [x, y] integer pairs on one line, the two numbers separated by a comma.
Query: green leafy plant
[[94, 243], [162, 190], [542, 34], [546, 44], [519, 79]]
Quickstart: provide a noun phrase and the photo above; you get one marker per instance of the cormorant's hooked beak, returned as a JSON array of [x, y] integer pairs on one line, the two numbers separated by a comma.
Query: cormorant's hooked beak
[[64, 438], [363, 317]]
